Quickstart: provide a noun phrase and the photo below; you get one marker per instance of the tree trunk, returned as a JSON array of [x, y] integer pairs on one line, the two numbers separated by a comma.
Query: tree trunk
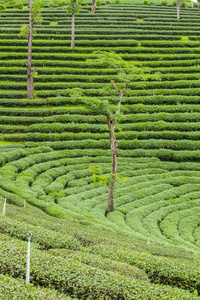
[[93, 6], [73, 36], [178, 8], [113, 147], [28, 64]]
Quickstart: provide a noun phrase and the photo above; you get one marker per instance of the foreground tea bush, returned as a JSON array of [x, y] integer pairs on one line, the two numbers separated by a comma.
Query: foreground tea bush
[[45, 238], [101, 263], [172, 271], [74, 278], [16, 289]]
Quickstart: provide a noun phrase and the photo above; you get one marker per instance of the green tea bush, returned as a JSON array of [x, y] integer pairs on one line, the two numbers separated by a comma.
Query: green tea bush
[[11, 288], [20, 120], [163, 3], [12, 128], [59, 137], [50, 4], [166, 192], [72, 277], [155, 219], [25, 112], [162, 270], [12, 95], [103, 264], [188, 225], [59, 127], [2, 7], [169, 227], [20, 6], [60, 4], [45, 238], [22, 102], [183, 4]]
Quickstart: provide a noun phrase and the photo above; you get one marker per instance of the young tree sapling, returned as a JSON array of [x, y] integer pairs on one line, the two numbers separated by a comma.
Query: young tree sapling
[[109, 106], [73, 7]]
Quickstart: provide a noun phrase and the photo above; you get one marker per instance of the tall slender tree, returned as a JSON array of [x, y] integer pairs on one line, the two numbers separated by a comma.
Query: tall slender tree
[[27, 32], [73, 7], [109, 106]]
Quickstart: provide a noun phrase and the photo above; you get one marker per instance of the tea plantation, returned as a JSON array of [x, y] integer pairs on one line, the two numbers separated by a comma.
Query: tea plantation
[[149, 247]]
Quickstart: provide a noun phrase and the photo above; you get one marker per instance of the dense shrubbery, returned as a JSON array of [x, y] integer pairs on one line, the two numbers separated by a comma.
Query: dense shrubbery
[[17, 289], [58, 138], [45, 238], [80, 277], [158, 269]]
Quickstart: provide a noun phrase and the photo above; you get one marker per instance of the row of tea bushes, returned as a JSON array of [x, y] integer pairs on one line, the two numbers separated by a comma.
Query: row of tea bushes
[[101, 128], [94, 88], [11, 288], [150, 144], [170, 226], [75, 278], [45, 238], [131, 135], [159, 269], [101, 263], [89, 50]]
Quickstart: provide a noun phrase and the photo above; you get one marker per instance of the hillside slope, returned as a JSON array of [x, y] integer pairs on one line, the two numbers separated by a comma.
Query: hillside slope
[[148, 248]]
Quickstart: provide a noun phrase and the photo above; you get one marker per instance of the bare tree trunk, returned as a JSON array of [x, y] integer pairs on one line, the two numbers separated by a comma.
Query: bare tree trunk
[[93, 6], [73, 36], [178, 8], [28, 64], [113, 147]]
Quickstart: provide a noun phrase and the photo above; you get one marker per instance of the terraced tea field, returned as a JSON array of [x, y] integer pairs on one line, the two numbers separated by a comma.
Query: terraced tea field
[[149, 247]]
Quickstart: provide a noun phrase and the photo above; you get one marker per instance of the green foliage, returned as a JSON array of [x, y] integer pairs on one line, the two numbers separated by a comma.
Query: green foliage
[[50, 4], [73, 277], [11, 288], [37, 9], [2, 7], [157, 268], [159, 119], [20, 6], [46, 239], [60, 4], [101, 263], [183, 4], [164, 3], [145, 2], [10, 2], [25, 31], [98, 178], [73, 7], [117, 2], [126, 72], [98, 3]]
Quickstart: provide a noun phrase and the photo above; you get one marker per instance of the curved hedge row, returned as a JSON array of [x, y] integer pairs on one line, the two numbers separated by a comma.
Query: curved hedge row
[[80, 278]]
